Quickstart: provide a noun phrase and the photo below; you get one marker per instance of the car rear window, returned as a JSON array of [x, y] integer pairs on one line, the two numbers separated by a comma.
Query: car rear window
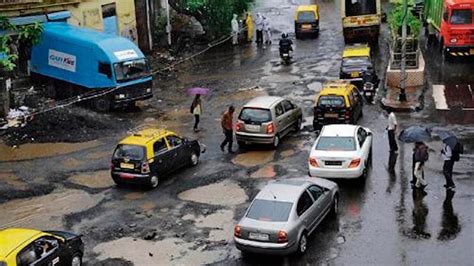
[[132, 152], [270, 210], [356, 61], [306, 16], [336, 144], [331, 101], [255, 115]]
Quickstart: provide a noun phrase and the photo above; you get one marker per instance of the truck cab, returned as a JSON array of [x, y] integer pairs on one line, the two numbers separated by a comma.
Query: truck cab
[[457, 27], [361, 20], [74, 61]]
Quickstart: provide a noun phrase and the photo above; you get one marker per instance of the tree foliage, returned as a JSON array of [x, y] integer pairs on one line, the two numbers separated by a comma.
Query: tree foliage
[[214, 15], [26, 34], [395, 19]]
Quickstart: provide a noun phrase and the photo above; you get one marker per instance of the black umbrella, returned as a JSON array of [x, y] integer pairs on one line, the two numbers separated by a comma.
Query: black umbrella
[[415, 134], [447, 137]]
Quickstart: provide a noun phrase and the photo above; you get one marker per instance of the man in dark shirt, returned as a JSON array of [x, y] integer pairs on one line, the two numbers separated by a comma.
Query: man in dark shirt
[[227, 126]]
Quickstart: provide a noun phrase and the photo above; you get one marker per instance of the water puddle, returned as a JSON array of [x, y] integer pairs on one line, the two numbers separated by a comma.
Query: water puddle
[[287, 153], [147, 206], [10, 179], [40, 150], [170, 251], [46, 211], [72, 163], [99, 155], [100, 179], [224, 193], [222, 223], [253, 158], [315, 86], [267, 171], [134, 196]]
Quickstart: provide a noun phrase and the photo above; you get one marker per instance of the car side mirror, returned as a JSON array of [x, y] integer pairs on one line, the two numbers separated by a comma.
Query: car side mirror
[[369, 133]]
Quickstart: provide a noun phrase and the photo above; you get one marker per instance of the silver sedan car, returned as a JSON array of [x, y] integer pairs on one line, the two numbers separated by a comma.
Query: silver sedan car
[[283, 215], [267, 119]]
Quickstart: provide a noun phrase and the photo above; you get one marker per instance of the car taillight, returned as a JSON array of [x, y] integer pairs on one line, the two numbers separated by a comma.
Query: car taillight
[[313, 162], [270, 128], [354, 163], [238, 126], [347, 115], [145, 168], [282, 237], [237, 231]]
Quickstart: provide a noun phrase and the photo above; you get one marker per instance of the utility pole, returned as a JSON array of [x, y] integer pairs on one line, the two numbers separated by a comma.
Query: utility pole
[[403, 97], [168, 22]]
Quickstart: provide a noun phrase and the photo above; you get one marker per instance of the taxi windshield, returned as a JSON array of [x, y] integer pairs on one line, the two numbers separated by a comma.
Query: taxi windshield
[[131, 152], [306, 16], [356, 61], [130, 70]]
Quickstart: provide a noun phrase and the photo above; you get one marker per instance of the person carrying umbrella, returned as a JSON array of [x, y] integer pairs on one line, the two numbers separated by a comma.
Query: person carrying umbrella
[[196, 108], [420, 156], [450, 154]]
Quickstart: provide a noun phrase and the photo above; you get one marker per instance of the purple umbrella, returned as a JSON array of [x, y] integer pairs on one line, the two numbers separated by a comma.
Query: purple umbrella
[[198, 91]]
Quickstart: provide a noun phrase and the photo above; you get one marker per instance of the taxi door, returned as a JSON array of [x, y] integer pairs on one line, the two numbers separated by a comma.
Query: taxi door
[[179, 153], [162, 157]]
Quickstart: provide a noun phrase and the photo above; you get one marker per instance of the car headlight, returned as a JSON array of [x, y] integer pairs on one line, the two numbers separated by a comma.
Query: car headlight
[[453, 40]]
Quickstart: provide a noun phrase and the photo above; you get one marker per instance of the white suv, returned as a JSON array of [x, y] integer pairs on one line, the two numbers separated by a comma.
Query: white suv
[[341, 151]]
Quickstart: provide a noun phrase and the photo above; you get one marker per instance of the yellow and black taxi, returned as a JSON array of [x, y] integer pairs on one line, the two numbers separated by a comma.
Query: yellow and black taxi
[[20, 247], [147, 155], [339, 102], [356, 59], [307, 20]]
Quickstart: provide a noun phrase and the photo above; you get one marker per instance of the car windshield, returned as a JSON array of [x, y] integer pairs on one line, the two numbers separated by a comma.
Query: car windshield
[[129, 70], [331, 101], [255, 115], [336, 144], [356, 61], [461, 17], [270, 210], [132, 152], [306, 16]]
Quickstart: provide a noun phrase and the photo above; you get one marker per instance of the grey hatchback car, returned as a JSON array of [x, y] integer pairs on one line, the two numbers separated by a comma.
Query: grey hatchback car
[[283, 215], [266, 119]]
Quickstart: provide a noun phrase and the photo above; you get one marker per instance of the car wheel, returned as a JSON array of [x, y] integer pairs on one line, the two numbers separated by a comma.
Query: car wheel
[[298, 125], [76, 260], [302, 244], [194, 159], [276, 141], [365, 172], [335, 206], [154, 181], [102, 104]]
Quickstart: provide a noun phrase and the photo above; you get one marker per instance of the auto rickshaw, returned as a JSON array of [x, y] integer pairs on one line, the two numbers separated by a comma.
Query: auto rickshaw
[[307, 21]]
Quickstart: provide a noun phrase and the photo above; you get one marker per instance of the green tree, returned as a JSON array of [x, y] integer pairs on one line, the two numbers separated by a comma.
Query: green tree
[[214, 15], [27, 35]]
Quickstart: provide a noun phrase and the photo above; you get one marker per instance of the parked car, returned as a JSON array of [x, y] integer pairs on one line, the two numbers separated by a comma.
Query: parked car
[[149, 154], [339, 102], [283, 215], [341, 151], [266, 119], [307, 20], [19, 246]]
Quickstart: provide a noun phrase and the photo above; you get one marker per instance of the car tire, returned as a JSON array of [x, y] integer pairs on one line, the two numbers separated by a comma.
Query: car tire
[[154, 181], [194, 159], [335, 206], [302, 244], [241, 144], [276, 141], [76, 260], [102, 104], [118, 183], [298, 125]]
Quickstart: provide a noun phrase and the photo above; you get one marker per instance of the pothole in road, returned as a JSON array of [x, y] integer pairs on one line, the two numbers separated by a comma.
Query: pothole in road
[[72, 163], [170, 251], [40, 150], [100, 179], [134, 196], [315, 86], [99, 155], [224, 193], [221, 223], [268, 171], [253, 158], [10, 179], [46, 211]]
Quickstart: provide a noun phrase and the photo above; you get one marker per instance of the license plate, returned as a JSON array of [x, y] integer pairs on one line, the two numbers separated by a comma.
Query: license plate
[[285, 54], [471, 51], [127, 166], [258, 236], [355, 74], [306, 26], [252, 128], [331, 115], [368, 93]]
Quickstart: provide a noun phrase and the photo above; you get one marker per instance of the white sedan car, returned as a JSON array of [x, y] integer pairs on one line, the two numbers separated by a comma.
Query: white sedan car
[[341, 151]]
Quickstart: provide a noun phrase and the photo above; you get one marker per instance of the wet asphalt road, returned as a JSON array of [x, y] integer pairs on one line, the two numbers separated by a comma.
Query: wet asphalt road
[[191, 215]]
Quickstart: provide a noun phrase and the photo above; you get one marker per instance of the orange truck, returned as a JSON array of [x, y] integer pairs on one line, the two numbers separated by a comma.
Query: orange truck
[[361, 20], [451, 23]]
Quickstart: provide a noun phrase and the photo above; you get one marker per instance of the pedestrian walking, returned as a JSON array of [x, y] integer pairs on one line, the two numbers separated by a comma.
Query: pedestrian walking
[[447, 154], [196, 110], [249, 24], [259, 26], [235, 30], [391, 128], [227, 126], [267, 30], [420, 156]]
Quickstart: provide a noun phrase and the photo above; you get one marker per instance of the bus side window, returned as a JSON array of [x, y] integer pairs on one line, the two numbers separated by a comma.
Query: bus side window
[[105, 69]]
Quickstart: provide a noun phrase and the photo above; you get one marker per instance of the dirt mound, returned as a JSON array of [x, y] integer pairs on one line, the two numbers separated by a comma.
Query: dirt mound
[[72, 124]]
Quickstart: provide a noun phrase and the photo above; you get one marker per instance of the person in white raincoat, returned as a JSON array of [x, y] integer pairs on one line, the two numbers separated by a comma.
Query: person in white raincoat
[[235, 30], [267, 30], [259, 26]]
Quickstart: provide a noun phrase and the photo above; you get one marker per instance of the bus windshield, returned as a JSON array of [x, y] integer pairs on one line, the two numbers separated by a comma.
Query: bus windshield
[[360, 7], [130, 70]]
